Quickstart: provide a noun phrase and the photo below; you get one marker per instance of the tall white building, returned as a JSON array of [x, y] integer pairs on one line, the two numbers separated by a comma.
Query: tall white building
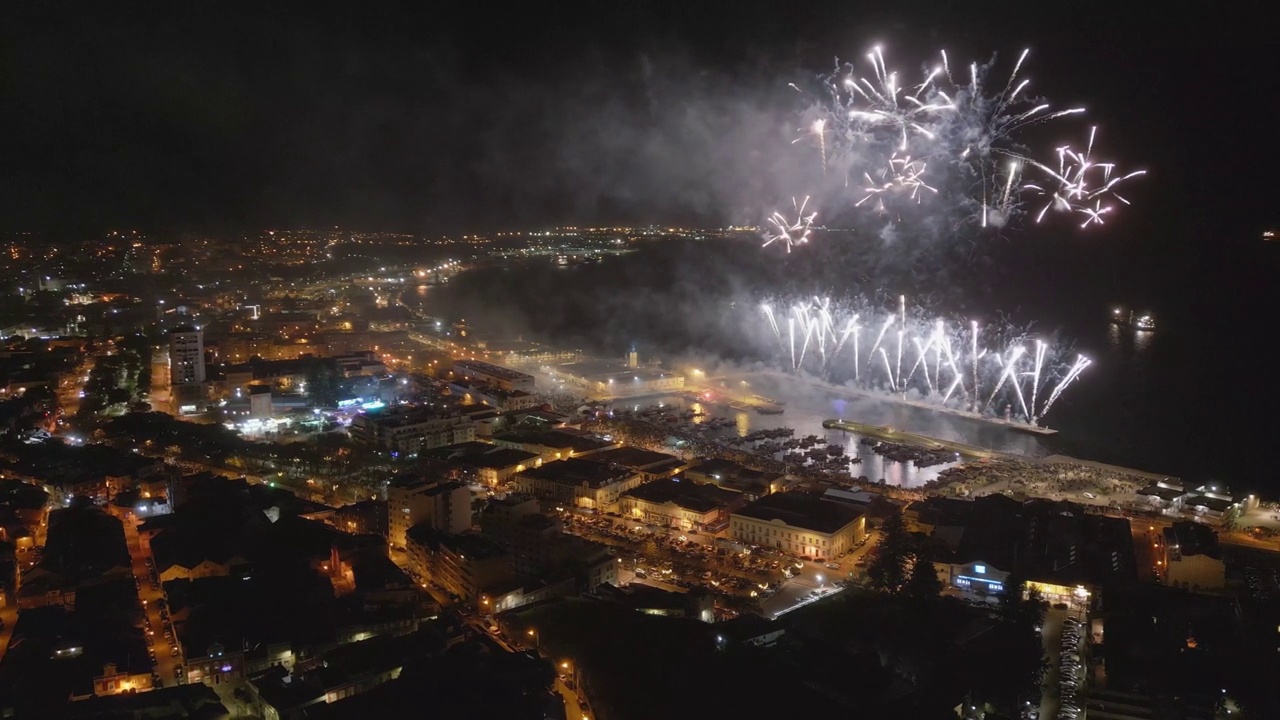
[[186, 356], [445, 506]]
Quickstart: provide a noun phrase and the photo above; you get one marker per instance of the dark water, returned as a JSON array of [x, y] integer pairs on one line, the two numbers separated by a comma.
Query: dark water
[[1194, 399], [805, 414]]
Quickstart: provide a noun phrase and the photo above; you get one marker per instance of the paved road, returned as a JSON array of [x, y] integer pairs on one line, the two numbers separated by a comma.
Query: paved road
[[9, 616], [815, 578], [165, 661], [1052, 638]]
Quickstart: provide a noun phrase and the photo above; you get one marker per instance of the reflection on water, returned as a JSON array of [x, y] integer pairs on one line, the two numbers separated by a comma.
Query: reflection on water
[[806, 409], [1129, 344], [1142, 342]]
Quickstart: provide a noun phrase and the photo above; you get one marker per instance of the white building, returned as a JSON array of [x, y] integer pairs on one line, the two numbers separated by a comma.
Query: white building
[[577, 482], [413, 430], [186, 356], [445, 506], [800, 524], [500, 377]]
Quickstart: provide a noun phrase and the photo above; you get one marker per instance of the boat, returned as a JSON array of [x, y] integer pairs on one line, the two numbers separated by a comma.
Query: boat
[[1140, 321]]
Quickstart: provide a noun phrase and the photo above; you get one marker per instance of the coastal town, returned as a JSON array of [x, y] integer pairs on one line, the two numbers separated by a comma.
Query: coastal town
[[248, 498]]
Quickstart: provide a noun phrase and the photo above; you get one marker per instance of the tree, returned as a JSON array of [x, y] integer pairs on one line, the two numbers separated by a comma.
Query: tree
[[888, 570], [924, 581], [322, 383]]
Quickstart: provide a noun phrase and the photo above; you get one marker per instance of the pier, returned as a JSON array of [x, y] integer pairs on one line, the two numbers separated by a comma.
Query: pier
[[910, 438]]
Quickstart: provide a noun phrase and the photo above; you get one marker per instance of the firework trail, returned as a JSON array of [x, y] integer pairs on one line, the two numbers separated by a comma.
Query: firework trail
[[924, 357], [819, 130]]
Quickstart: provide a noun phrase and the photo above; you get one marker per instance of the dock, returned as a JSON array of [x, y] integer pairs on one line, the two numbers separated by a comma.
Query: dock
[[973, 451], [910, 438]]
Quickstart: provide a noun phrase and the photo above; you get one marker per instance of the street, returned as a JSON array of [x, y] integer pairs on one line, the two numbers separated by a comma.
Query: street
[[159, 630], [1052, 638], [816, 581]]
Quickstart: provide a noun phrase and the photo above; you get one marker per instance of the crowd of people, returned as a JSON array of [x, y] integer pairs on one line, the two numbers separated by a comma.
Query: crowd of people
[[1038, 479]]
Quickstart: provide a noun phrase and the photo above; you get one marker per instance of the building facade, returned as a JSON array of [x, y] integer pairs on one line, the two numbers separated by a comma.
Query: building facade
[[577, 482], [408, 432], [465, 565], [444, 506], [799, 524], [976, 577], [500, 377], [186, 356], [680, 504]]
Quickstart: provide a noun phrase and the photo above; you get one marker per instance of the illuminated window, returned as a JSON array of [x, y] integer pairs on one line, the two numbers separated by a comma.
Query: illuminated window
[[980, 569]]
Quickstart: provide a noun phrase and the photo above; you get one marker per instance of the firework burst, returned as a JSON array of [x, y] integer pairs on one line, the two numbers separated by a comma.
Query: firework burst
[[952, 144], [789, 232]]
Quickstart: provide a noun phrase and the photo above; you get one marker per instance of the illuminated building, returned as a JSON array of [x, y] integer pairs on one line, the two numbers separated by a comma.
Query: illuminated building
[[186, 356], [500, 377], [497, 466], [729, 475], [558, 444], [444, 506], [461, 564], [412, 430], [612, 380], [800, 524], [977, 577], [683, 505], [650, 464], [578, 482]]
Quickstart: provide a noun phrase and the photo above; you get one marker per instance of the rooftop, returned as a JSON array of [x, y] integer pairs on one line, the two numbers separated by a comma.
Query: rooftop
[[376, 571], [55, 653], [559, 439], [84, 542], [192, 701], [723, 469], [1191, 538], [490, 369], [687, 495], [471, 545], [503, 458], [860, 497], [1164, 493], [606, 370], [802, 510], [1210, 503], [638, 458], [399, 417], [579, 471]]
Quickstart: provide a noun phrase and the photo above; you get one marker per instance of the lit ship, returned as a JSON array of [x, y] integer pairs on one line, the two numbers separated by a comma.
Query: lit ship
[[1144, 321]]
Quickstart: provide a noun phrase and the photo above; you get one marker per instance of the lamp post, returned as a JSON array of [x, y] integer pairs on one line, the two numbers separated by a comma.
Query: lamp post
[[537, 641]]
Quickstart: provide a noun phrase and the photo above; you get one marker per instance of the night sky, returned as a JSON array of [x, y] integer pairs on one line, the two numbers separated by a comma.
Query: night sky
[[388, 116]]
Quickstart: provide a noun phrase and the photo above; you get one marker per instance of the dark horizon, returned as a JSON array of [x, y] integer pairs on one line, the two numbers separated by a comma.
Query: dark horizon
[[215, 121]]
